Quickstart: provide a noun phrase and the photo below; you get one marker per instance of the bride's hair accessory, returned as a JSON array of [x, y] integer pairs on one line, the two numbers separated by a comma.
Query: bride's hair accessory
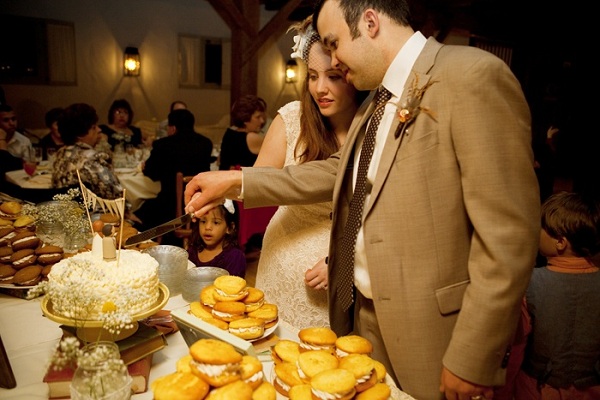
[[305, 38]]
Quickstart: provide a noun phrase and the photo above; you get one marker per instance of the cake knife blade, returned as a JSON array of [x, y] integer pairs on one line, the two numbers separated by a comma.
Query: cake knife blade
[[159, 230]]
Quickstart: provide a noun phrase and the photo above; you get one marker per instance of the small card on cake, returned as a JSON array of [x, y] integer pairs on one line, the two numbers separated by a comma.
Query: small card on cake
[[193, 328]]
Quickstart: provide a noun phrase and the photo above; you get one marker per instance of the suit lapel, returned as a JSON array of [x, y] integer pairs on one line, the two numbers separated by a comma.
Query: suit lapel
[[419, 76]]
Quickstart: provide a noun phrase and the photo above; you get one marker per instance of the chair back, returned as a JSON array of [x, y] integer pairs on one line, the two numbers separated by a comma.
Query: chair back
[[185, 231]]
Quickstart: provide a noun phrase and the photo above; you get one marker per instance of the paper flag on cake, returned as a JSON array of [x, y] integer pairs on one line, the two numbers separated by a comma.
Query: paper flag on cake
[[91, 201]]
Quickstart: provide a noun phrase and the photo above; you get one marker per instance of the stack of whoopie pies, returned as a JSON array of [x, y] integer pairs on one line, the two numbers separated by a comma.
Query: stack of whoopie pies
[[315, 368], [231, 305], [214, 370]]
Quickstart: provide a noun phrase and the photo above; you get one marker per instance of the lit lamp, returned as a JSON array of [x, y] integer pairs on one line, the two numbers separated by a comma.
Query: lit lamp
[[291, 71], [131, 62]]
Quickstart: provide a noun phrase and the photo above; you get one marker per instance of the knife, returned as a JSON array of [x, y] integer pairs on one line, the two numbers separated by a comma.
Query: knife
[[159, 230]]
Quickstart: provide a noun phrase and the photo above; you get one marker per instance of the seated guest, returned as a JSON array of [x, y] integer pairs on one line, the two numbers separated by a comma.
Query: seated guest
[[182, 151], [79, 130], [8, 162], [17, 143], [52, 141], [161, 131], [119, 129], [242, 141]]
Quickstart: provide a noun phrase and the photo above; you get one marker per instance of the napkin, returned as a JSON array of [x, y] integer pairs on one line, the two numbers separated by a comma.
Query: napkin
[[162, 321]]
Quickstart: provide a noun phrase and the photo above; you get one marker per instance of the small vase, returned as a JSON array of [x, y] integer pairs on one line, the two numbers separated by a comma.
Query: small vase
[[100, 374]]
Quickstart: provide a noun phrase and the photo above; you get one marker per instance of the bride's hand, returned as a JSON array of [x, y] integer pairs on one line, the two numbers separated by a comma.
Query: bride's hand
[[316, 277]]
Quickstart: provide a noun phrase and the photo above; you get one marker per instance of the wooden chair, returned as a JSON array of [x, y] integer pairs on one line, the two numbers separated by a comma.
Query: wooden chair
[[185, 231]]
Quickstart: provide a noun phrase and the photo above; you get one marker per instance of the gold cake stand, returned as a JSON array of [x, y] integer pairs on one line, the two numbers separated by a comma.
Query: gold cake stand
[[92, 330]]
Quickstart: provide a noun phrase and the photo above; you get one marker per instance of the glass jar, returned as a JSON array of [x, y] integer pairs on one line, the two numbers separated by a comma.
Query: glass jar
[[101, 374], [51, 233]]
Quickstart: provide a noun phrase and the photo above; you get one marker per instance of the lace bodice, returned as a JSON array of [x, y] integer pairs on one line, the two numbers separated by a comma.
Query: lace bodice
[[296, 238]]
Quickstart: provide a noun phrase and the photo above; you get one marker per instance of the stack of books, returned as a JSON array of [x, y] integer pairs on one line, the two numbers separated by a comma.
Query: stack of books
[[136, 351]]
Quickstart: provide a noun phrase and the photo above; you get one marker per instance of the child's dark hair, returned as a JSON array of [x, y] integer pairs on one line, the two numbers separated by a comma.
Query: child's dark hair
[[230, 239], [576, 217]]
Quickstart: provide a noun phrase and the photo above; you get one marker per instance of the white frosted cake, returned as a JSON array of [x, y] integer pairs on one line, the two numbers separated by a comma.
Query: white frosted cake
[[84, 286]]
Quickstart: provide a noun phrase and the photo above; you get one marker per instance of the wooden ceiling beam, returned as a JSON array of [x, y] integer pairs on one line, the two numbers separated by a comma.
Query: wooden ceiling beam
[[277, 25], [233, 17]]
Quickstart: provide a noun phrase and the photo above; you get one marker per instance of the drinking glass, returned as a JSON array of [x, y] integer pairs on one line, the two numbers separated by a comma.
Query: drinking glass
[[30, 162]]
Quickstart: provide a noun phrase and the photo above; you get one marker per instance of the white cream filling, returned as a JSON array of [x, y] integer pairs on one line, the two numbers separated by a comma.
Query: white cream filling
[[258, 304], [231, 296], [215, 370], [255, 378], [23, 260], [341, 353], [221, 314], [326, 396], [252, 329], [307, 346], [283, 385]]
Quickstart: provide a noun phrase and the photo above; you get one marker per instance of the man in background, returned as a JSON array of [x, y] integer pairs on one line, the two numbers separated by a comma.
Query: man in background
[[183, 150], [18, 144]]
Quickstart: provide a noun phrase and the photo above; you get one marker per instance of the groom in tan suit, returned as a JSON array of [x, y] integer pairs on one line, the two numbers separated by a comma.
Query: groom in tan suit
[[450, 224]]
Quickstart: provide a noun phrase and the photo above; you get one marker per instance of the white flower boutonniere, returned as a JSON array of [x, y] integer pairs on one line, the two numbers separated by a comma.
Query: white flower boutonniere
[[409, 109]]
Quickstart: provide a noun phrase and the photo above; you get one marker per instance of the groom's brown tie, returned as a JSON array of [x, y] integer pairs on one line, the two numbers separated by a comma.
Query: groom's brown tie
[[345, 291]]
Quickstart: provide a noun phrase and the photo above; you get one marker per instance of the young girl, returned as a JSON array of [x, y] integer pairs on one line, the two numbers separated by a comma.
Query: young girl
[[214, 241]]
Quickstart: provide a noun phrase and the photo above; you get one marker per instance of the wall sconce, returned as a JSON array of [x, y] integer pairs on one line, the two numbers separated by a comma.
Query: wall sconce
[[131, 62], [291, 71]]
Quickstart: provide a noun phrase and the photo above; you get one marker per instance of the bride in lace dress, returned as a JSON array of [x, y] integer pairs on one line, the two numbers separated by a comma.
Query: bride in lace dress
[[292, 270]]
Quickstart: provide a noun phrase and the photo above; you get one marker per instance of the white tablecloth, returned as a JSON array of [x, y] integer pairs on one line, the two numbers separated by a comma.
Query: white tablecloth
[[20, 178], [138, 187]]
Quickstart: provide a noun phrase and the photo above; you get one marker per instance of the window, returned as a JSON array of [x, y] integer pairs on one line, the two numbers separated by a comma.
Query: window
[[42, 53], [204, 62]]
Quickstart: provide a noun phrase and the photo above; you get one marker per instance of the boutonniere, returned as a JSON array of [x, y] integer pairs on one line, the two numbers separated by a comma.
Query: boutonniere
[[410, 108]]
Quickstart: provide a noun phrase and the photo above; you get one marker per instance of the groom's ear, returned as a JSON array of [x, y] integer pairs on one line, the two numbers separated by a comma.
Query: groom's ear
[[370, 21]]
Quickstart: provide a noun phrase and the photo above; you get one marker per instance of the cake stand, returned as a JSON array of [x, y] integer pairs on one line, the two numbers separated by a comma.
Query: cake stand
[[92, 330]]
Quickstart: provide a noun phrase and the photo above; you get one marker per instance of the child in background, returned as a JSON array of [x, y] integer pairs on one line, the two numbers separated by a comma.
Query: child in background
[[214, 241], [562, 357]]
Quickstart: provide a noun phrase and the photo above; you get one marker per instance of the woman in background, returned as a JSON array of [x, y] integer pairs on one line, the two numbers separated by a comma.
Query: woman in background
[[292, 270], [242, 141], [119, 129], [79, 130]]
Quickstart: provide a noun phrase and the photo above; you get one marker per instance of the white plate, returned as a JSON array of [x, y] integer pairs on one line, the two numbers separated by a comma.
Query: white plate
[[11, 286]]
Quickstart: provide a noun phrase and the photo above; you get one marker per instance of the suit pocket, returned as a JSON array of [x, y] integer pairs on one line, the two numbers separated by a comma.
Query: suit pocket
[[416, 144], [450, 298]]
